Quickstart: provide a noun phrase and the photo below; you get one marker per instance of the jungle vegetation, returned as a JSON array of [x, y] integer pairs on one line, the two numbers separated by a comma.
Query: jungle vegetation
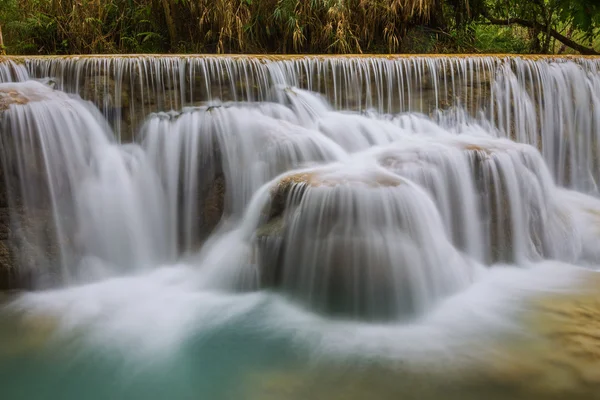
[[299, 26]]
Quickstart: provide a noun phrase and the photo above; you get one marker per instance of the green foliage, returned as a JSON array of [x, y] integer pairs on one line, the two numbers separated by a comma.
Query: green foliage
[[584, 15], [575, 19], [26, 33], [80, 26], [293, 26], [501, 39]]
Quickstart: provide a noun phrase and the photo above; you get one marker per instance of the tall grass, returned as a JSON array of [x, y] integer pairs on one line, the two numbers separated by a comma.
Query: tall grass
[[222, 26], [80, 26], [306, 26]]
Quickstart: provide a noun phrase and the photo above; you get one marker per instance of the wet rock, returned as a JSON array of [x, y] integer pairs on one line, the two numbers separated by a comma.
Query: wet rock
[[570, 322], [339, 243], [559, 357], [10, 96], [4, 223], [27, 240], [29, 249], [8, 266], [212, 206], [105, 92], [498, 212], [113, 100], [12, 275]]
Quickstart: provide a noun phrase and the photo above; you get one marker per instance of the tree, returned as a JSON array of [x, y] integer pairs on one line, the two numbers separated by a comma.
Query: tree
[[169, 6], [548, 19], [2, 51]]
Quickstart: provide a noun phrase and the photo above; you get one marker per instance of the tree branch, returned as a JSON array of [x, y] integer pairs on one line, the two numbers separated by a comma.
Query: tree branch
[[544, 28], [168, 10]]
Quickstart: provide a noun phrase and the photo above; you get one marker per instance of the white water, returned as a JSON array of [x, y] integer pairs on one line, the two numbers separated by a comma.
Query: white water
[[12, 72], [502, 93], [329, 217], [104, 199]]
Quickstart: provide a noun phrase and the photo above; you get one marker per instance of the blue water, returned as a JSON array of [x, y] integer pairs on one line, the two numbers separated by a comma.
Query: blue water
[[157, 337]]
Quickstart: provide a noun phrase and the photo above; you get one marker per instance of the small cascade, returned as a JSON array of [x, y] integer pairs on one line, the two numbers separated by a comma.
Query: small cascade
[[354, 239], [77, 197], [213, 159], [503, 92], [564, 97], [12, 72], [361, 187]]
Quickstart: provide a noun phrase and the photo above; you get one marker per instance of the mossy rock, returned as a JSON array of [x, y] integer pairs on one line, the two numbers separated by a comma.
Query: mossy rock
[[9, 97]]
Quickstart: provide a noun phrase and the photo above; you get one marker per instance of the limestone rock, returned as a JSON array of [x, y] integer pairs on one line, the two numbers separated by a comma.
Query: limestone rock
[[26, 235], [507, 183], [350, 260], [12, 276], [570, 323], [8, 97], [212, 206], [104, 91]]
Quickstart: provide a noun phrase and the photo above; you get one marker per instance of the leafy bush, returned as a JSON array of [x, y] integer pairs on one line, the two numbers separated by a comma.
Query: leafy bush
[[501, 39]]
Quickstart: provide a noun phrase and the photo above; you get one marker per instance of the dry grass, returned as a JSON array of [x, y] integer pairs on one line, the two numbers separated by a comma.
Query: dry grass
[[220, 26]]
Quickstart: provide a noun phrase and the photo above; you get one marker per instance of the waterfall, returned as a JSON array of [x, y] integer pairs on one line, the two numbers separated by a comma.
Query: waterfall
[[233, 149], [369, 187], [501, 91], [12, 72], [76, 195]]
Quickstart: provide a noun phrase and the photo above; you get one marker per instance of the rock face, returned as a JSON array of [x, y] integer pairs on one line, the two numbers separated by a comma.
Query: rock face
[[9, 277], [27, 242], [517, 212], [112, 98], [9, 97], [18, 257], [8, 266], [42, 230], [213, 206]]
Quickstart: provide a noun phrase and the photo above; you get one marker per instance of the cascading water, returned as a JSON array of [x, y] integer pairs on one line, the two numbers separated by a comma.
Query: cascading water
[[310, 219], [223, 154], [100, 200], [12, 72], [500, 92]]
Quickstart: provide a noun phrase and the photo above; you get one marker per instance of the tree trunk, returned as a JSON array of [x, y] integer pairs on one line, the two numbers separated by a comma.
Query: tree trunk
[[2, 50], [170, 23], [535, 45], [563, 47]]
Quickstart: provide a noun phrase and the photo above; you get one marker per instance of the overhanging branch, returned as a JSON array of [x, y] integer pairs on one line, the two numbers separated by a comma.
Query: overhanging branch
[[541, 27]]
